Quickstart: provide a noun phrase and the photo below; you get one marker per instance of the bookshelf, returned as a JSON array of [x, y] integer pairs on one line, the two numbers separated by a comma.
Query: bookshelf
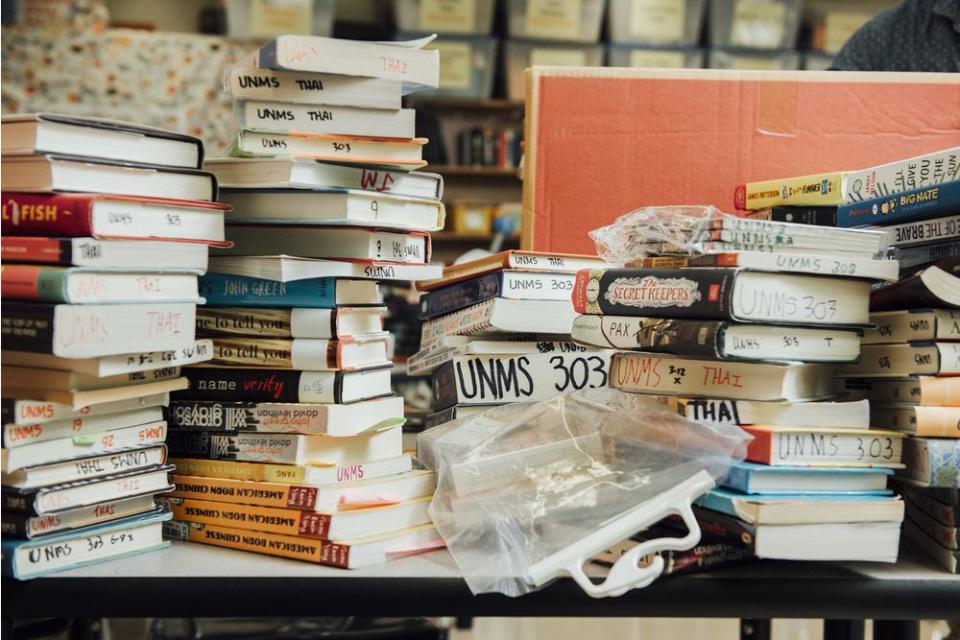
[[460, 171]]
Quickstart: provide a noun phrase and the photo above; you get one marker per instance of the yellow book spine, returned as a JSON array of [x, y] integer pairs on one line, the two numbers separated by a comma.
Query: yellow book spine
[[251, 517], [290, 474], [814, 190], [322, 552], [263, 494]]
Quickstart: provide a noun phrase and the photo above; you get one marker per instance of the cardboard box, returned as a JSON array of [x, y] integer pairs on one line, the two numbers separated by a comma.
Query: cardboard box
[[602, 142]]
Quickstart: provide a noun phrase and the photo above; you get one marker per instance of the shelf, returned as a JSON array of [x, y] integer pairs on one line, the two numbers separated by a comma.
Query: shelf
[[468, 104], [453, 236], [465, 170]]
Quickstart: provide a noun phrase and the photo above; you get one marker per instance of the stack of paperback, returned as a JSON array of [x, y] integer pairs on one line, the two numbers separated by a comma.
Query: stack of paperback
[[910, 372], [749, 334], [496, 330], [105, 231], [288, 442]]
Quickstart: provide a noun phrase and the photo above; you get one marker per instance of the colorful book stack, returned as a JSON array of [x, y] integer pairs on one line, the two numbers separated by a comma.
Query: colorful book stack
[[105, 231], [288, 442], [496, 330], [910, 372], [749, 333]]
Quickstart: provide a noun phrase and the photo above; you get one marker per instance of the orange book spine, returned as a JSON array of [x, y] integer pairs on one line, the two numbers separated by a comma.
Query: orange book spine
[[251, 517], [938, 422], [759, 449], [263, 494], [284, 546], [940, 392]]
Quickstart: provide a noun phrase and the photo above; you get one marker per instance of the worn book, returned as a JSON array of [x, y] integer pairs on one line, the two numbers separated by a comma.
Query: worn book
[[779, 509], [25, 559], [932, 462], [926, 422], [30, 134], [347, 554], [843, 187], [84, 493], [491, 380], [949, 559], [753, 478], [649, 373], [283, 268], [927, 502], [306, 175], [72, 381], [95, 466], [811, 264], [334, 207], [899, 360], [913, 325], [854, 415], [407, 62], [313, 475], [370, 152], [924, 391], [104, 366], [105, 254], [18, 435], [91, 331], [946, 535], [935, 286], [723, 294], [221, 289], [502, 316], [81, 285], [336, 525], [29, 390], [290, 323], [302, 354], [293, 117], [43, 174], [330, 419], [318, 449], [338, 243], [824, 446], [344, 496], [28, 527], [514, 260], [111, 216], [312, 88], [507, 283], [284, 385], [29, 412], [717, 339], [39, 453], [751, 234]]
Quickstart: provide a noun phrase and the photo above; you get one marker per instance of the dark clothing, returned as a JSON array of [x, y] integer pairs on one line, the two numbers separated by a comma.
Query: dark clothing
[[915, 35]]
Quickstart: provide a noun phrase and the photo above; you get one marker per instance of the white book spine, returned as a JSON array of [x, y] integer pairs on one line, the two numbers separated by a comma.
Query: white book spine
[[471, 320], [911, 233], [903, 175]]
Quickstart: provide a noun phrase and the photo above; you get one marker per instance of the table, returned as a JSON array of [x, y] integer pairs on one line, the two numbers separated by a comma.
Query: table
[[193, 580]]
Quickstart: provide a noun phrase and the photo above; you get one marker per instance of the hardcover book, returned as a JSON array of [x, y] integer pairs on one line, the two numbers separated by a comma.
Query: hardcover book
[[85, 468], [383, 153], [105, 254], [311, 475], [825, 446], [80, 285], [312, 88], [303, 354], [913, 325], [295, 117], [932, 462], [25, 526], [284, 385], [923, 391], [516, 260], [300, 322], [794, 509], [753, 478], [507, 283]]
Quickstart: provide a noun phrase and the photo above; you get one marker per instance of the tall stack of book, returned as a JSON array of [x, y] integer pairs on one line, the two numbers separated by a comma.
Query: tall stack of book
[[909, 356], [105, 231], [288, 442], [749, 333], [496, 330]]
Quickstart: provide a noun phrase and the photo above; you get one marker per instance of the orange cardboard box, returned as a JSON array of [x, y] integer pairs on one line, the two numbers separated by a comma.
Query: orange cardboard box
[[603, 141]]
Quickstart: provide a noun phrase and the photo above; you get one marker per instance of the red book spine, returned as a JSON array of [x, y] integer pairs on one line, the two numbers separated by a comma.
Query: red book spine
[[760, 447], [579, 295], [335, 555], [740, 197], [30, 249], [314, 525], [32, 214], [20, 282]]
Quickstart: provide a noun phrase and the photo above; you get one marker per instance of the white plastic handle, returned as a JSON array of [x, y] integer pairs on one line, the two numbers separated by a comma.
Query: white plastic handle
[[625, 573]]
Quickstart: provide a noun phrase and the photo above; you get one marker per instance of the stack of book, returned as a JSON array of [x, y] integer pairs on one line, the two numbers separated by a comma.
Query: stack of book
[[910, 372], [496, 330], [288, 441], [105, 232], [750, 334]]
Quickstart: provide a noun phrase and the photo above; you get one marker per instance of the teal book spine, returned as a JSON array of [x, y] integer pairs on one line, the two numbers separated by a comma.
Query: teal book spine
[[221, 289]]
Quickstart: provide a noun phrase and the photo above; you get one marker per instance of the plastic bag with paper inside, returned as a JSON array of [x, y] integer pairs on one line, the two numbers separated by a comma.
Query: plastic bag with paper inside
[[530, 492]]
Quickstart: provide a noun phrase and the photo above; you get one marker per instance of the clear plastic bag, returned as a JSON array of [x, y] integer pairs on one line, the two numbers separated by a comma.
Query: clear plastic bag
[[526, 493]]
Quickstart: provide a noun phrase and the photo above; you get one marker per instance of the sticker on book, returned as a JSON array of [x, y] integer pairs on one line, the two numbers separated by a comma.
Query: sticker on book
[[650, 291]]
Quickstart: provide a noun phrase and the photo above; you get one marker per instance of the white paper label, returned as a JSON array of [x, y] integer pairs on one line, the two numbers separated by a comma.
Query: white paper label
[[558, 57], [658, 20], [448, 16], [554, 19], [456, 64], [655, 58], [758, 23]]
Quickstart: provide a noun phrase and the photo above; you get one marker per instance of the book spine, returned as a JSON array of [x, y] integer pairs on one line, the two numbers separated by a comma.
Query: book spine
[[924, 231], [268, 385], [26, 214], [38, 250], [251, 517], [226, 290], [15, 525], [712, 411], [916, 256], [191, 443], [460, 295], [326, 119], [242, 471], [706, 556], [467, 321], [246, 416], [932, 462], [27, 327], [490, 380], [682, 337], [29, 282], [674, 293], [19, 502], [247, 352], [817, 216], [816, 190], [239, 321], [909, 206], [897, 177], [284, 496]]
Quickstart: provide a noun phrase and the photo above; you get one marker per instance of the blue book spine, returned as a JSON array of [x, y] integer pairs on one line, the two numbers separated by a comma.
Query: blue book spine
[[461, 295], [267, 57], [738, 478], [221, 289], [916, 204]]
